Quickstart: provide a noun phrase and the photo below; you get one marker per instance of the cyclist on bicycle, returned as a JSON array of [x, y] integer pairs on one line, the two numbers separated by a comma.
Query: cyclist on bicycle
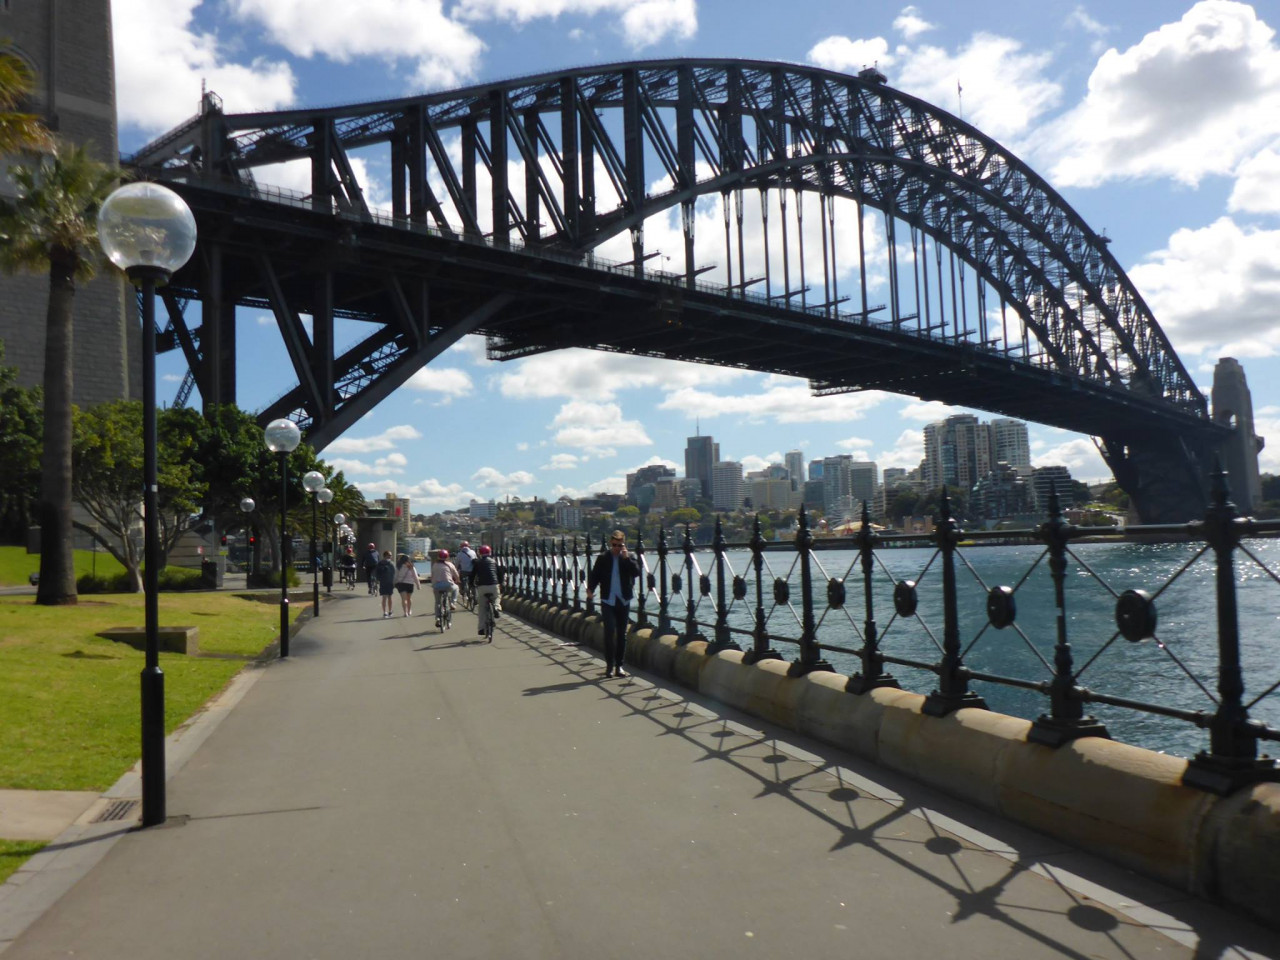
[[466, 568], [444, 583], [369, 563], [488, 577], [347, 568]]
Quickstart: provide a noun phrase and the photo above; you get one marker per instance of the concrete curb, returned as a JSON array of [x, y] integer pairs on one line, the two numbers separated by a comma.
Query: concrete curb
[[1118, 801]]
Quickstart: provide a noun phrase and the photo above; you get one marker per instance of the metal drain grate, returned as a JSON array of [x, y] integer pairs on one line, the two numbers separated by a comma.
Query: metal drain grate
[[118, 810]]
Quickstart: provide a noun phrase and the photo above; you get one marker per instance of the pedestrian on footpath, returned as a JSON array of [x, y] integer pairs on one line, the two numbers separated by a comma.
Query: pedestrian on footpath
[[406, 582], [488, 577], [369, 563], [615, 573], [385, 575]]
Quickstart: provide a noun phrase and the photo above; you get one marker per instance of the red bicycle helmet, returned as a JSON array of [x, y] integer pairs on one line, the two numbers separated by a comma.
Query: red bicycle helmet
[[444, 554], [485, 551], [466, 543]]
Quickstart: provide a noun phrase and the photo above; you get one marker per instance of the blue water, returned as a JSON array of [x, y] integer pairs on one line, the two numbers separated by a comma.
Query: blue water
[[1178, 667]]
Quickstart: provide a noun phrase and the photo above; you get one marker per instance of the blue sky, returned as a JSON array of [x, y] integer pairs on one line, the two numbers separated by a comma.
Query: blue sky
[[1158, 121]]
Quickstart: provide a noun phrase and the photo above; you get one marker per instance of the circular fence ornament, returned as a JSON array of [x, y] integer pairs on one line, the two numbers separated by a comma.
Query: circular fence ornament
[[676, 583], [704, 585], [835, 593], [904, 598], [781, 591], [1002, 610], [739, 588], [1136, 615]]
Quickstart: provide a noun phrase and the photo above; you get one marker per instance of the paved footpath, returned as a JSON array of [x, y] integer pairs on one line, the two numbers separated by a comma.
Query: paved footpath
[[389, 792]]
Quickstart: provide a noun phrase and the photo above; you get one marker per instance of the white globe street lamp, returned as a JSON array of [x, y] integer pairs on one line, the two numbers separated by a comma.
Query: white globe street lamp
[[148, 232], [283, 437]]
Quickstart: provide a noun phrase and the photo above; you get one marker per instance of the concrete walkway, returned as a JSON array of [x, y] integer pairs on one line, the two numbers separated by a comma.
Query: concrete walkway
[[390, 792]]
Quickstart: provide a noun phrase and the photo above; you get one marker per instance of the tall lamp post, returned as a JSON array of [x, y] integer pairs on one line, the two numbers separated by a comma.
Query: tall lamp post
[[325, 496], [148, 232], [313, 481], [283, 437], [247, 507]]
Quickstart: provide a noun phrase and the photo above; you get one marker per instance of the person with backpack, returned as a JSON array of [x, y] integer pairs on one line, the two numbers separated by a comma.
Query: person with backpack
[[488, 580], [385, 574], [370, 563], [444, 582]]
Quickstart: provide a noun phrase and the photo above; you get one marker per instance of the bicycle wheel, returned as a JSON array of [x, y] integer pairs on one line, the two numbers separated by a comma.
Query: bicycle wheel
[[488, 630], [448, 614]]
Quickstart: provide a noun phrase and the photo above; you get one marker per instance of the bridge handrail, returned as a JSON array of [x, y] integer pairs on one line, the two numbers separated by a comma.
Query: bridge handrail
[[1232, 758]]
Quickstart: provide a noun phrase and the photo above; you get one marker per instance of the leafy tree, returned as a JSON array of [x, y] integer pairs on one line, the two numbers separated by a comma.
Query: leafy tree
[[51, 226], [684, 515], [19, 130], [629, 512], [108, 478], [20, 429]]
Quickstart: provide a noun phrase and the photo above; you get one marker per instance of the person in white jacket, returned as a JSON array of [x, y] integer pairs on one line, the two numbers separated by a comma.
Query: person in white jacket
[[407, 581]]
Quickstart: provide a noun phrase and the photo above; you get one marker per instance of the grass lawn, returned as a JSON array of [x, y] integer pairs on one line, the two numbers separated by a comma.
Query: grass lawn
[[14, 853], [16, 565], [69, 700]]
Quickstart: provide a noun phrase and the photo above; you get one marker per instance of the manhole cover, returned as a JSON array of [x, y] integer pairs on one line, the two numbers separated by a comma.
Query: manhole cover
[[118, 810]]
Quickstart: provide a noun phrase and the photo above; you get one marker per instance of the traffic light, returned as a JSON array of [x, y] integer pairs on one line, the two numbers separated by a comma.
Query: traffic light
[[253, 541], [224, 539]]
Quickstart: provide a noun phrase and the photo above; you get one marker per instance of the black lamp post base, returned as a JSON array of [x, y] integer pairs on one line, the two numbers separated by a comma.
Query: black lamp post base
[[153, 793]]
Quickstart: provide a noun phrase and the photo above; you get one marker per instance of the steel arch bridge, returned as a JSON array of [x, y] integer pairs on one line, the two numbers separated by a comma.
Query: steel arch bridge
[[967, 278]]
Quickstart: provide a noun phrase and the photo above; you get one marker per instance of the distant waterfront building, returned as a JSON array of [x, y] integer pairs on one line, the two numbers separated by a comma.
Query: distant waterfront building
[[483, 510], [1057, 478], [864, 480], [397, 510], [666, 494], [957, 451], [815, 469], [648, 474], [811, 494], [690, 490], [772, 493], [726, 485], [700, 455], [1002, 493], [568, 515]]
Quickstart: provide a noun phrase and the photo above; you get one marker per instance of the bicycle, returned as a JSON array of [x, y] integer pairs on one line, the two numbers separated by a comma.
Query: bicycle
[[469, 591], [493, 616], [444, 609]]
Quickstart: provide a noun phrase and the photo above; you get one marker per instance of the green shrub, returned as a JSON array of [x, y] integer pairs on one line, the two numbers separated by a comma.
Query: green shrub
[[181, 578], [271, 578], [103, 583]]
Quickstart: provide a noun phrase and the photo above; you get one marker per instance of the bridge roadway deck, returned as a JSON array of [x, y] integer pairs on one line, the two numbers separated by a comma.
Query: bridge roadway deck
[[390, 792]]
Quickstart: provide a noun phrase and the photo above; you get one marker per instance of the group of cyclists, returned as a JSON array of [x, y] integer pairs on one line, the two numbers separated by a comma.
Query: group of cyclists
[[476, 577]]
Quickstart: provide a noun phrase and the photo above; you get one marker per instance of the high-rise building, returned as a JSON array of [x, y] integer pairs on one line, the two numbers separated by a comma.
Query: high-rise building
[[837, 485], [794, 461], [726, 485], [864, 479], [647, 474], [957, 451], [700, 455], [1043, 479], [1010, 444]]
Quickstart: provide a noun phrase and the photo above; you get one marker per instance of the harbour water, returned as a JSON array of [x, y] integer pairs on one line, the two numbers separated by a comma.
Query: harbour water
[[1176, 668]]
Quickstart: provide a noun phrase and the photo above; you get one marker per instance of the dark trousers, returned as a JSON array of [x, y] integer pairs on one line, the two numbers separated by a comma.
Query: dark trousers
[[614, 616]]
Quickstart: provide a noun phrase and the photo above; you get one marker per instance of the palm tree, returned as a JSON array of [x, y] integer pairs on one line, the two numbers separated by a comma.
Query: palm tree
[[51, 226], [18, 130]]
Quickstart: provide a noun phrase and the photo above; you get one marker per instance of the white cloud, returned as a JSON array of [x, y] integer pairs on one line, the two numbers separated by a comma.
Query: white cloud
[[160, 62], [1079, 455], [1257, 188], [911, 24], [850, 56], [387, 440], [597, 428], [489, 478], [855, 443], [905, 453], [926, 411], [1080, 19], [1190, 99], [1266, 423], [446, 380], [642, 23], [445, 51], [1215, 290], [783, 400], [429, 495], [594, 373], [562, 461]]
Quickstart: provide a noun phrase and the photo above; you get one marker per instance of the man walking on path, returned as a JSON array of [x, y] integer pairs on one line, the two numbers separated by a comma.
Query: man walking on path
[[370, 563], [615, 574]]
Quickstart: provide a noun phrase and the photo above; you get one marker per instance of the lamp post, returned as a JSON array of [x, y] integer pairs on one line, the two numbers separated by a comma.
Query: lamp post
[[148, 232], [325, 495], [283, 437], [247, 507], [313, 481], [338, 520]]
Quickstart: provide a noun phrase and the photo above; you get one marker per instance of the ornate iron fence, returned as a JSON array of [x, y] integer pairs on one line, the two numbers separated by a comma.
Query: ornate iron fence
[[926, 614]]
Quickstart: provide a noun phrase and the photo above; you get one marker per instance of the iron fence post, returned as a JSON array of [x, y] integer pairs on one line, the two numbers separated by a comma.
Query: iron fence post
[[810, 654], [522, 569], [873, 673], [953, 677], [577, 578], [642, 619], [547, 593], [1066, 720], [690, 626], [1232, 759], [664, 617], [760, 649], [591, 602], [723, 640], [564, 575]]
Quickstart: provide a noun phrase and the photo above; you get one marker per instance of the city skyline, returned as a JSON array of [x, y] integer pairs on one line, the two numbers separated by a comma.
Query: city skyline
[[1188, 199]]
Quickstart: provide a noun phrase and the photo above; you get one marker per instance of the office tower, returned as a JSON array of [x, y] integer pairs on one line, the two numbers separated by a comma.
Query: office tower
[[726, 485], [1010, 444], [864, 479], [794, 462], [957, 451], [700, 455]]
